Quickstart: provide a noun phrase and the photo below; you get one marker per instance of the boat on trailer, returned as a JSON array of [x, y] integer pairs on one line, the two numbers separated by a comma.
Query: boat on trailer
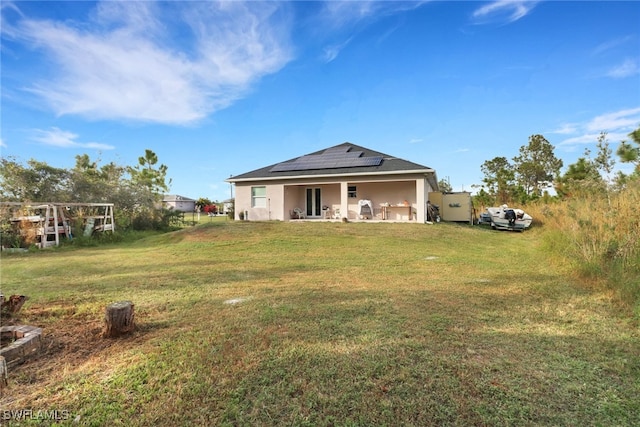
[[506, 218]]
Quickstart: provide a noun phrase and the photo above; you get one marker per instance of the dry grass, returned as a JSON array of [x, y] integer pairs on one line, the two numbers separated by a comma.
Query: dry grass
[[334, 324], [600, 236]]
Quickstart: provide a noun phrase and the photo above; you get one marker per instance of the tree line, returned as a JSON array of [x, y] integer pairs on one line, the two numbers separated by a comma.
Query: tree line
[[135, 190], [535, 170]]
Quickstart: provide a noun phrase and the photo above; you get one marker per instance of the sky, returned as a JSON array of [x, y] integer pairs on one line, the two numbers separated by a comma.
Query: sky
[[217, 89]]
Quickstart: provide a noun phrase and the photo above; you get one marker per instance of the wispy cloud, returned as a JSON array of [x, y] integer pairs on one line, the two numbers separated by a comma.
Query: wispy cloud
[[336, 16], [339, 14], [504, 11], [610, 45], [56, 137], [617, 125], [126, 64], [625, 120], [415, 140], [331, 52], [566, 129], [626, 69], [2, 144]]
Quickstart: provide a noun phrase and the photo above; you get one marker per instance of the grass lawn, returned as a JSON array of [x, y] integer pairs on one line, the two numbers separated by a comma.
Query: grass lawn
[[289, 323]]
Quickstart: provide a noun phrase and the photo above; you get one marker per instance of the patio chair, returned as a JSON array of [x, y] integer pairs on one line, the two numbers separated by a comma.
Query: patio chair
[[336, 213], [365, 209], [299, 213]]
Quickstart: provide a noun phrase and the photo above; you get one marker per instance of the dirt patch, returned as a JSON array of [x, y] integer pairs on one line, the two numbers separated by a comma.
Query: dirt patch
[[69, 343]]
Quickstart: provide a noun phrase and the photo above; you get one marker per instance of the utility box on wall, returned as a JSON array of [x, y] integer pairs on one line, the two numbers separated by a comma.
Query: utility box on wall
[[455, 207]]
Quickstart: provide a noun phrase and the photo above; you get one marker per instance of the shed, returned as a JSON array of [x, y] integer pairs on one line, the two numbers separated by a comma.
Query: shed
[[455, 207]]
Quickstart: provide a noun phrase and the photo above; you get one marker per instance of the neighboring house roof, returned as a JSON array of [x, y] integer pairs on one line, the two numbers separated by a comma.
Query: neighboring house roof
[[344, 159], [176, 198]]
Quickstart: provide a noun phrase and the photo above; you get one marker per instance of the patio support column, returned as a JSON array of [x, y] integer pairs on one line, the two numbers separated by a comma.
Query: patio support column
[[344, 199], [421, 200]]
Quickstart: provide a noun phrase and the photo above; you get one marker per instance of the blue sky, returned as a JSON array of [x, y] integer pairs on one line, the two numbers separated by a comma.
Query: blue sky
[[222, 88]]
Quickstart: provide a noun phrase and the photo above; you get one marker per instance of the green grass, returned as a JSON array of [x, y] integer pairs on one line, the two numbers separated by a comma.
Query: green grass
[[337, 324]]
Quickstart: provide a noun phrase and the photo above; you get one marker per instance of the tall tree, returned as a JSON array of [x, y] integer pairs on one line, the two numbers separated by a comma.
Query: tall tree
[[445, 186], [94, 183], [537, 166], [35, 182], [629, 153], [499, 178], [581, 177], [604, 160], [147, 175]]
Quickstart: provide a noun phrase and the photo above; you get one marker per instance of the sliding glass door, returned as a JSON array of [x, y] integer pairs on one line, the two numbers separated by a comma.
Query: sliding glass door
[[314, 202]]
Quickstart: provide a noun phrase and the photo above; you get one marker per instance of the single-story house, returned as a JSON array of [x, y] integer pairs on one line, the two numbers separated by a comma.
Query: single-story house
[[227, 205], [343, 181], [178, 203]]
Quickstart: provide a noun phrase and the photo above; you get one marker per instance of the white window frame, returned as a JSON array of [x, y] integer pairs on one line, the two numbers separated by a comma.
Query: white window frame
[[352, 192], [259, 196]]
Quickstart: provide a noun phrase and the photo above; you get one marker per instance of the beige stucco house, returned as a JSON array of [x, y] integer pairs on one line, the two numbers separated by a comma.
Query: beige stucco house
[[344, 181], [178, 203]]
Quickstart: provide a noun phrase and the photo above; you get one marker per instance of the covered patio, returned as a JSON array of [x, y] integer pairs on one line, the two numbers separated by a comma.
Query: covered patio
[[377, 200]]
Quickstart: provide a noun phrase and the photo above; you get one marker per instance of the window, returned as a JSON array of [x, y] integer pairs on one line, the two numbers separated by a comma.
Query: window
[[351, 192], [258, 197]]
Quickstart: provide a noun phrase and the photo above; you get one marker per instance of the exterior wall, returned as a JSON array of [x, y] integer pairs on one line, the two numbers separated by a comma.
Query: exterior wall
[[181, 205], [456, 207], [295, 196], [283, 196], [453, 206], [274, 206], [435, 197], [393, 193]]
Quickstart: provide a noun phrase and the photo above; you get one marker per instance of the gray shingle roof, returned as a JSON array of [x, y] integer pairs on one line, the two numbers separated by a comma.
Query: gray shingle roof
[[176, 198], [389, 164]]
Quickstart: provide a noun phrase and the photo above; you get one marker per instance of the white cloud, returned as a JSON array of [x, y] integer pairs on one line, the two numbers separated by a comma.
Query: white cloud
[[627, 69], [332, 52], [2, 144], [335, 16], [56, 137], [624, 120], [415, 140], [617, 125], [566, 129], [611, 44], [503, 11], [585, 138], [339, 14], [126, 63]]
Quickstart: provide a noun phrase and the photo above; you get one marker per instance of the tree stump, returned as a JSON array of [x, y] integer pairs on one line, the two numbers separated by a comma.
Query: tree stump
[[13, 304], [3, 375], [118, 319]]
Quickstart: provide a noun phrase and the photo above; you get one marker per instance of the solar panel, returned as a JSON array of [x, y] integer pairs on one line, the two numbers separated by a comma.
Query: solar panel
[[332, 158]]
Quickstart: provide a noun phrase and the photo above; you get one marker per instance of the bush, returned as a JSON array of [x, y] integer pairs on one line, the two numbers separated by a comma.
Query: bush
[[158, 219]]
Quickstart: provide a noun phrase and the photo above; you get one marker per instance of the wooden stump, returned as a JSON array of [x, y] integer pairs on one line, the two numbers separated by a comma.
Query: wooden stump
[[118, 319], [3, 375], [12, 305]]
